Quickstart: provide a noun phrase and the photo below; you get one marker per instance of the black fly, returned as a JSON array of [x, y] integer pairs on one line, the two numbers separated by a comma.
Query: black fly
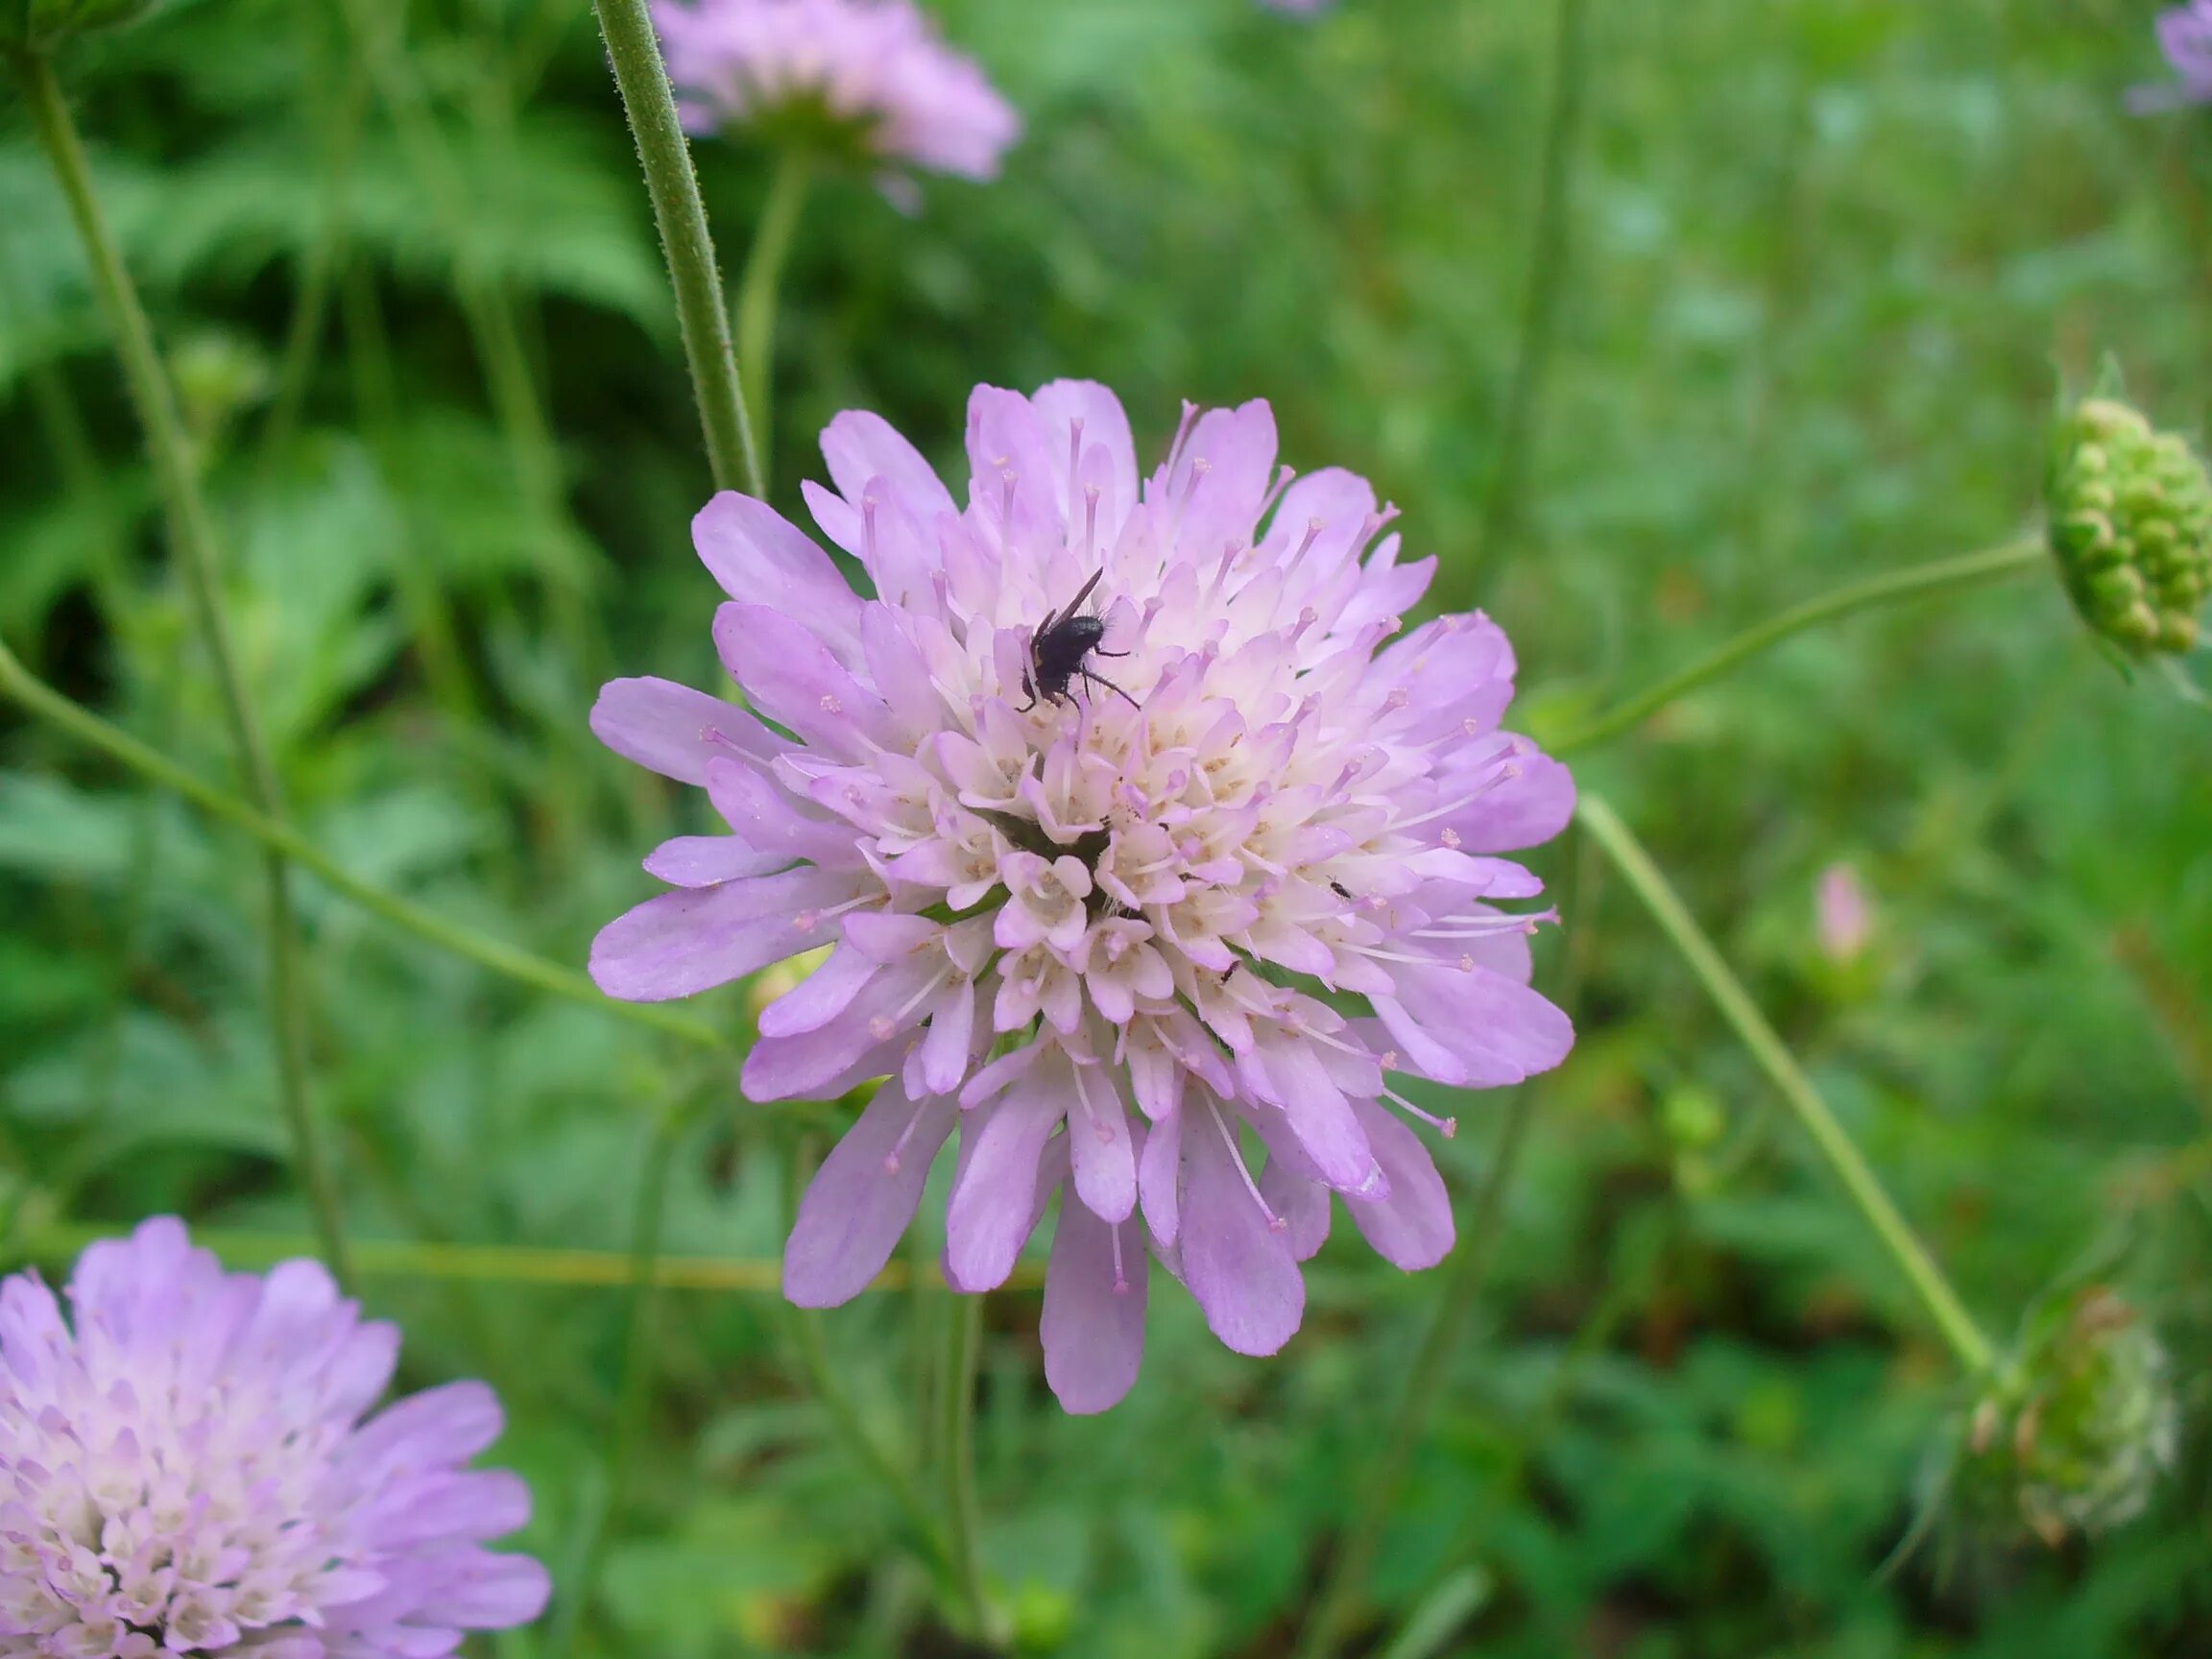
[[1059, 651]]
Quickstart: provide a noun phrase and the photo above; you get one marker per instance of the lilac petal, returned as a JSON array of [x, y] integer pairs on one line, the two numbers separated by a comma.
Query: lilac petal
[[449, 1424], [1500, 1030], [761, 557], [863, 1198], [1064, 406], [500, 1592], [675, 730], [861, 447], [1413, 1226], [1519, 811], [1010, 463], [1227, 464], [1160, 1177], [1300, 1200], [1239, 1268], [763, 815], [796, 680], [1093, 1322], [1104, 1163], [709, 860], [685, 942], [993, 1208], [1318, 1115], [463, 1504], [821, 997], [870, 1030]]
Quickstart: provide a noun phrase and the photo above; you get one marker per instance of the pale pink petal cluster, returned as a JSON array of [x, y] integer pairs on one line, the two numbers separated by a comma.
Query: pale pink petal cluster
[[1160, 953], [190, 1464], [876, 68]]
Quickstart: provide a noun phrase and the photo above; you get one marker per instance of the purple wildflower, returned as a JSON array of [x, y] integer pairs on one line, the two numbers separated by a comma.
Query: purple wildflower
[[2185, 37], [1846, 919], [1235, 898], [870, 73], [185, 1468]]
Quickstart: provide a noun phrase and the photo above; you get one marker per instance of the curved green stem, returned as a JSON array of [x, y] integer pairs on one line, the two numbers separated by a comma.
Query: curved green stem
[[1547, 279], [192, 540], [1919, 581], [757, 290], [963, 1339], [1863, 1187], [1337, 1602], [285, 843], [701, 314]]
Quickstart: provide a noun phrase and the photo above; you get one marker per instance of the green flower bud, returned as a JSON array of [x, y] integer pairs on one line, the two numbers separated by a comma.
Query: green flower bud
[[2076, 1435], [2131, 525], [41, 25]]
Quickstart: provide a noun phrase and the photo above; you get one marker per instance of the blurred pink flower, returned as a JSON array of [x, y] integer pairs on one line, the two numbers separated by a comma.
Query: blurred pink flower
[[1845, 920], [873, 73], [189, 1463], [2185, 37], [1235, 887]]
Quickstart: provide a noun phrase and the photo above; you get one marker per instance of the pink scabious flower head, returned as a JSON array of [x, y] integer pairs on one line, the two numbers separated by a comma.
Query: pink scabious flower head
[[1149, 840], [869, 80], [187, 1466], [2185, 37]]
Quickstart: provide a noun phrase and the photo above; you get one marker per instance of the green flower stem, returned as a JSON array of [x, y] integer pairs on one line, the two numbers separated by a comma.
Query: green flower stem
[[1864, 1189], [1919, 581], [701, 312], [192, 540], [1338, 1601], [1547, 279], [862, 1445], [640, 1331], [963, 1340], [286, 844], [757, 290]]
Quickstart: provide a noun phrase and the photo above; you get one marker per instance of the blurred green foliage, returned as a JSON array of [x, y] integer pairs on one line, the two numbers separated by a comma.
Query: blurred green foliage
[[1827, 260]]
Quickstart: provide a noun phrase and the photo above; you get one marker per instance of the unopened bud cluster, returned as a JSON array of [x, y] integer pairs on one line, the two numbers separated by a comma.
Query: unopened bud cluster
[[2132, 526], [2076, 1438]]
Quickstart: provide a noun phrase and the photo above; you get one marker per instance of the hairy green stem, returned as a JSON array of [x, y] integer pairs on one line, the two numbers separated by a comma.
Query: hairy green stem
[[1547, 277], [1919, 581], [757, 290], [1338, 1600], [701, 313], [1859, 1183], [285, 843], [192, 540], [963, 1343]]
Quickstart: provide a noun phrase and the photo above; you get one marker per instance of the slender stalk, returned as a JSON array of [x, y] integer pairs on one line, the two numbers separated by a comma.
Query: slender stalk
[[1547, 279], [963, 1342], [192, 540], [639, 1330], [1859, 1183], [436, 1261], [757, 292], [285, 843], [1919, 581], [861, 1444], [1337, 1602], [701, 313]]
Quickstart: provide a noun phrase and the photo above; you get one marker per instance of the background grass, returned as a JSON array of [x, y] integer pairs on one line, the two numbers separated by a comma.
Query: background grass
[[1827, 261]]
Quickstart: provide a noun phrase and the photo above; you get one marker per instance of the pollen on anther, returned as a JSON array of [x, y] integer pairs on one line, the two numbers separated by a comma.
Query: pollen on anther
[[831, 704], [891, 1164], [1450, 1128], [1398, 699], [1451, 838], [1471, 726], [881, 1027], [806, 922], [1466, 964]]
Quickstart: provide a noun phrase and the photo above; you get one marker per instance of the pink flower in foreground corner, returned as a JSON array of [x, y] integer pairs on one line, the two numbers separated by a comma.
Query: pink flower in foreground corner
[[1147, 838], [868, 76], [185, 1468]]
